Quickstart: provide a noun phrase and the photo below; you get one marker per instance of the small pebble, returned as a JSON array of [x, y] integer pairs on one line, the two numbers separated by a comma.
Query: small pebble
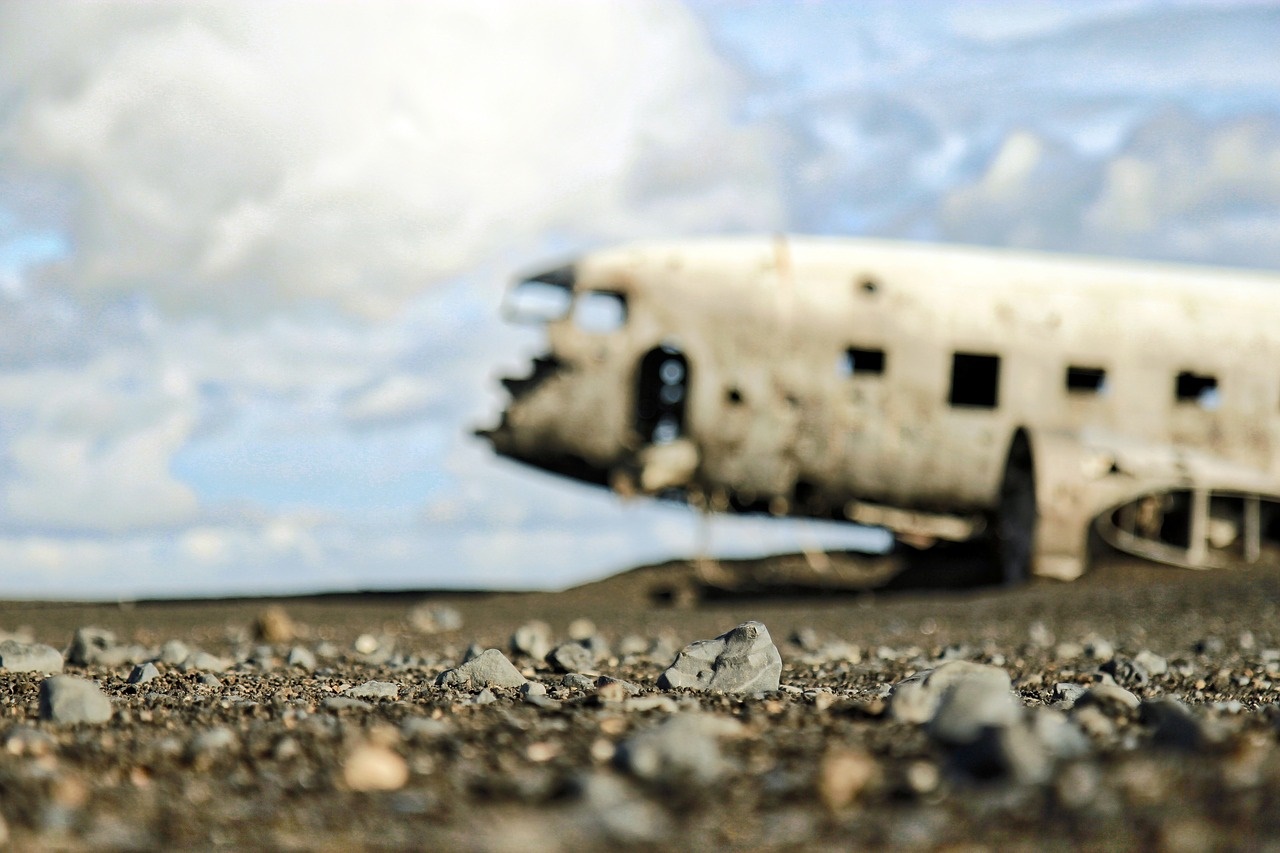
[[370, 767]]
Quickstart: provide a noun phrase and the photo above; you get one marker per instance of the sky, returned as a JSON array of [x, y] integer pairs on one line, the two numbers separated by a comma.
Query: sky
[[251, 254]]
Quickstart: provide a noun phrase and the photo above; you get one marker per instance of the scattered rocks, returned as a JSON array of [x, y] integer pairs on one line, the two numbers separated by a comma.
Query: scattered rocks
[[490, 669], [848, 753], [17, 656], [743, 660], [70, 699]]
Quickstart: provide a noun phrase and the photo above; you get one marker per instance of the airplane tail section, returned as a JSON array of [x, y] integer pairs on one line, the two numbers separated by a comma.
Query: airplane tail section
[[1163, 504]]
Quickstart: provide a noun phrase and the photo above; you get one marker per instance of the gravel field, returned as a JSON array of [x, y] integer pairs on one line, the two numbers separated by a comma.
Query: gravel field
[[1135, 708]]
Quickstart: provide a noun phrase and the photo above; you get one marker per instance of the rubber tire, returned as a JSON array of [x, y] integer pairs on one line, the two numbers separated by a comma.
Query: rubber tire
[[1016, 516]]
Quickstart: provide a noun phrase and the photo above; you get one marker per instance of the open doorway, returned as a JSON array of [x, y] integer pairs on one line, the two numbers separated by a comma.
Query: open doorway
[[662, 393]]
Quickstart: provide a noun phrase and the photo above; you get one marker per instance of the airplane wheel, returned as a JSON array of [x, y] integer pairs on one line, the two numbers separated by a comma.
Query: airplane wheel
[[1016, 516]]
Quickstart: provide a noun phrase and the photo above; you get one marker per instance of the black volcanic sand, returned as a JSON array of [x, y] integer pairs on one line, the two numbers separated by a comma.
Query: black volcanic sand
[[254, 757]]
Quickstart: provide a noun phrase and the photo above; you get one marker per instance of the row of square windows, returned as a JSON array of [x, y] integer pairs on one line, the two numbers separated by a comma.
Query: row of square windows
[[975, 379]]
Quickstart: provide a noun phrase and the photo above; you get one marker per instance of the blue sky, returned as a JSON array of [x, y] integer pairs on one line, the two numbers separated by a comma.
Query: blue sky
[[251, 254]]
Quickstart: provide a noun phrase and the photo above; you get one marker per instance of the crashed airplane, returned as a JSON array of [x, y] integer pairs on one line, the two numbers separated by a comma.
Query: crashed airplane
[[944, 393]]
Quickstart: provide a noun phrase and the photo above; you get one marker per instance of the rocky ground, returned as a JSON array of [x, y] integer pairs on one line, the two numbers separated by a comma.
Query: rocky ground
[[1137, 707]]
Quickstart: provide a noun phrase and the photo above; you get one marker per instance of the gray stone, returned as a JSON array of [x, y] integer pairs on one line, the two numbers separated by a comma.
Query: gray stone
[[484, 697], [88, 644], [532, 639], [1099, 648], [683, 749], [489, 669], [970, 705], [68, 699], [1126, 671], [374, 690], [1067, 693], [203, 662], [618, 684], [613, 810], [743, 660], [143, 672], [423, 729], [912, 702], [1060, 736], [578, 681], [300, 656], [217, 739], [174, 652], [1172, 724], [344, 703], [641, 704], [17, 656], [598, 646], [918, 698], [208, 679], [571, 657], [1109, 698], [435, 619], [1011, 751], [1155, 665], [633, 645]]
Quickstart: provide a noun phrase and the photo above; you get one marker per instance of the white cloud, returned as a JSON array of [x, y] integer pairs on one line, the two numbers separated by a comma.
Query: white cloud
[[246, 155], [73, 482], [1178, 187]]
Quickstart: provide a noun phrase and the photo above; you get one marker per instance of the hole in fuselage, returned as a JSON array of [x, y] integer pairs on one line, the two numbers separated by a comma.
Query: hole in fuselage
[[662, 391]]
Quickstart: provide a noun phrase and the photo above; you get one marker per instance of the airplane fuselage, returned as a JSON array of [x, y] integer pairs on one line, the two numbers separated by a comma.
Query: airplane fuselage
[[887, 382]]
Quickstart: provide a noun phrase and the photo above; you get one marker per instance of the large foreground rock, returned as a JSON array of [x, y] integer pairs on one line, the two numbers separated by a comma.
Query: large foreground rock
[[918, 699], [488, 669], [744, 660], [29, 657], [68, 699], [682, 749]]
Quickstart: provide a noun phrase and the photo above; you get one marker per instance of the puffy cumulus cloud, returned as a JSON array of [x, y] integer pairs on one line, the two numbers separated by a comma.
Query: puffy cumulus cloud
[[239, 156], [1178, 187], [88, 450]]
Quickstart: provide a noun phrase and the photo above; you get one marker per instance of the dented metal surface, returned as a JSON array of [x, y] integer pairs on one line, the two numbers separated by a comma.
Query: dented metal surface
[[941, 392]]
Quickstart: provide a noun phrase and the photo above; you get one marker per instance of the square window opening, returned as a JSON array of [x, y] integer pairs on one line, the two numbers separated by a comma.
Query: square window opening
[[975, 380], [1086, 380], [600, 311], [862, 362], [1200, 389]]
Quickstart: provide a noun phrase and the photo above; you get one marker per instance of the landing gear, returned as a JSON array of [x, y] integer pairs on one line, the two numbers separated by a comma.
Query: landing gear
[[1016, 514]]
